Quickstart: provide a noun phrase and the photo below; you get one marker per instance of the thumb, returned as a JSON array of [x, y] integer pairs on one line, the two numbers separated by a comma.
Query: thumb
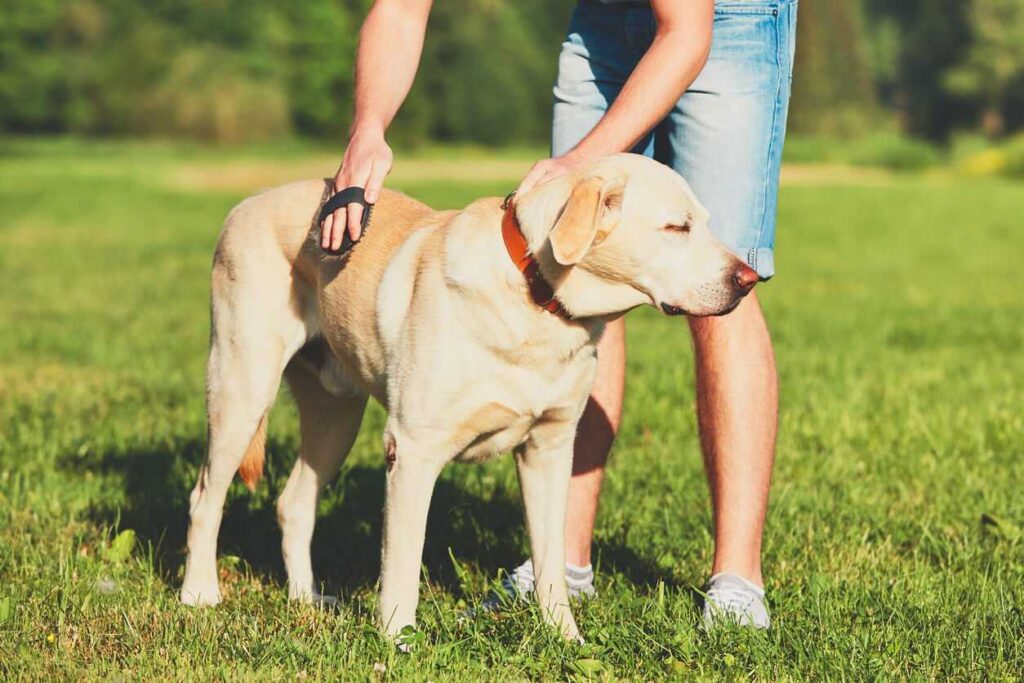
[[381, 168], [532, 178]]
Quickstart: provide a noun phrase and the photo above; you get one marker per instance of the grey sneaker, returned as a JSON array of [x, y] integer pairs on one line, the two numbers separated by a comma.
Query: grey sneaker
[[731, 599], [518, 584]]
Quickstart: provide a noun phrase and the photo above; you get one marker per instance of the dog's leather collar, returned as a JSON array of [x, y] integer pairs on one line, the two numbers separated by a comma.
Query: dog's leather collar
[[541, 291]]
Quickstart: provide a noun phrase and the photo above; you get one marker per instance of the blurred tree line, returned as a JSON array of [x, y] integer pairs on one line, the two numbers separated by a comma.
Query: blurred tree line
[[231, 70]]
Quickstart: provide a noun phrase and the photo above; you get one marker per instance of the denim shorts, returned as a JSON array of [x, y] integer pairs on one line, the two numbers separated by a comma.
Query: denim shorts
[[724, 135]]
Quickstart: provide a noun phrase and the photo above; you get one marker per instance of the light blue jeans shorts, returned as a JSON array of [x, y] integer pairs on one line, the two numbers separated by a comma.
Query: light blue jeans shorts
[[724, 135]]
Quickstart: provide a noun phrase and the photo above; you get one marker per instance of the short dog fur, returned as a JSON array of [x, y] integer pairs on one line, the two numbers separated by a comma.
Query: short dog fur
[[429, 315]]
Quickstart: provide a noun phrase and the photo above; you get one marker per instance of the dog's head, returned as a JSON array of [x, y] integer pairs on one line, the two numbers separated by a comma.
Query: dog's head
[[626, 231]]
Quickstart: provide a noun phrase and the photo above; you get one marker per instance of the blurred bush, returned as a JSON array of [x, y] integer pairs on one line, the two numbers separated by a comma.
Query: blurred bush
[[1014, 158], [223, 70], [1005, 159], [894, 152], [809, 149], [235, 70], [833, 93], [241, 70], [994, 61], [882, 150], [208, 95]]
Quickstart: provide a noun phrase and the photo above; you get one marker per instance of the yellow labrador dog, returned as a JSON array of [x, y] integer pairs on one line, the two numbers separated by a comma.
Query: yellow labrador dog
[[431, 314]]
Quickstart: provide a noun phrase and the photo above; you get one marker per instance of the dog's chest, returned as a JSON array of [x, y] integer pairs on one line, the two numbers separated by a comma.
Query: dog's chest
[[491, 442], [526, 407]]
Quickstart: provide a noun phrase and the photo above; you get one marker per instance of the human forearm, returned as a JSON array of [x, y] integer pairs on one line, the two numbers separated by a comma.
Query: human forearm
[[647, 97], [673, 61], [390, 45]]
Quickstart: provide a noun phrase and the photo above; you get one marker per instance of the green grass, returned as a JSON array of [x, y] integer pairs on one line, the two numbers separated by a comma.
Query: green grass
[[894, 546]]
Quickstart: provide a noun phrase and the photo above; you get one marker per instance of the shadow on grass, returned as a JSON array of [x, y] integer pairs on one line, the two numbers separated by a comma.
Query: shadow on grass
[[485, 532]]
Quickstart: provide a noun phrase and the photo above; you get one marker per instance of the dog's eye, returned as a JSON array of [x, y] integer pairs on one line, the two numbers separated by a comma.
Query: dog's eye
[[684, 228]]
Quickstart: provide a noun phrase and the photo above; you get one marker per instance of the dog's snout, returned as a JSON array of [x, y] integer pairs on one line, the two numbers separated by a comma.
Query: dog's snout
[[745, 278]]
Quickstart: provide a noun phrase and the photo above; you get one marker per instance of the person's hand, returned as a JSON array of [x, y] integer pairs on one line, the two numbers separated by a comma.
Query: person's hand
[[548, 169], [367, 162]]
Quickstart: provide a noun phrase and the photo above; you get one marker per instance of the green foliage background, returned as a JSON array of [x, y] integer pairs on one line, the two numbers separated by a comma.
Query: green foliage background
[[233, 70], [230, 70]]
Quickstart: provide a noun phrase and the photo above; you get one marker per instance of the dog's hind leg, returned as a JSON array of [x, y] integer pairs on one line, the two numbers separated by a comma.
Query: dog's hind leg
[[329, 422], [256, 327]]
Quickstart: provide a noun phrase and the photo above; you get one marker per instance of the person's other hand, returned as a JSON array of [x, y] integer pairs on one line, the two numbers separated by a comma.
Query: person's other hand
[[366, 164], [548, 169]]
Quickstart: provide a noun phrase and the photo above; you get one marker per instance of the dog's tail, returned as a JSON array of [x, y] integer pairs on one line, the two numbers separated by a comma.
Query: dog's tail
[[251, 468]]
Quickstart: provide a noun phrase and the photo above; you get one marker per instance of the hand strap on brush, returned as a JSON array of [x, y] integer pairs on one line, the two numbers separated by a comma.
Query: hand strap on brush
[[342, 199]]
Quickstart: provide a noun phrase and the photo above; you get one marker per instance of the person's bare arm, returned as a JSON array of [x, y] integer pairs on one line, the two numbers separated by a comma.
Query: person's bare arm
[[672, 62], [390, 45]]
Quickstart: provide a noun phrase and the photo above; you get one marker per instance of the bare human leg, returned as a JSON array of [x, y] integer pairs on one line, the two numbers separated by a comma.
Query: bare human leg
[[737, 410], [737, 413], [594, 436]]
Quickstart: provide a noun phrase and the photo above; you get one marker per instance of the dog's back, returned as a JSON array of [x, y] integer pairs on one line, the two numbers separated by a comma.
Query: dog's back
[[285, 217], [275, 233]]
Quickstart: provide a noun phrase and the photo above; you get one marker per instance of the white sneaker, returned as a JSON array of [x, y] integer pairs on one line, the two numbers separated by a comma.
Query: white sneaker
[[519, 584], [731, 599]]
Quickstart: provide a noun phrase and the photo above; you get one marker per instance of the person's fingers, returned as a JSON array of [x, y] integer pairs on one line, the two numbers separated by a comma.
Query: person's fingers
[[529, 182], [344, 218], [355, 218], [546, 171], [325, 233], [532, 178], [381, 168], [337, 229], [335, 219]]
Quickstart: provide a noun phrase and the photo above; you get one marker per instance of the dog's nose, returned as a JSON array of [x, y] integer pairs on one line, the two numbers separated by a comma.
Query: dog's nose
[[745, 278]]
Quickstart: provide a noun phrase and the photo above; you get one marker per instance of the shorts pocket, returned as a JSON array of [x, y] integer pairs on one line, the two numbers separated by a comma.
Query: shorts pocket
[[740, 7], [746, 35]]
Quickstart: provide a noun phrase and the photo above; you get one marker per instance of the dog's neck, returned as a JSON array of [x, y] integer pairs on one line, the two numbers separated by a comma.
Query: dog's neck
[[478, 267], [541, 291], [592, 289]]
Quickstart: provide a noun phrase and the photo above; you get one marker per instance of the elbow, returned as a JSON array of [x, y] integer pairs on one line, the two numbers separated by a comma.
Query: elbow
[[689, 50], [694, 45], [419, 9]]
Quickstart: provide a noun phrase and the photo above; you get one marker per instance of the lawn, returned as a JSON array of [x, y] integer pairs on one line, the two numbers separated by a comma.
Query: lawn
[[895, 541]]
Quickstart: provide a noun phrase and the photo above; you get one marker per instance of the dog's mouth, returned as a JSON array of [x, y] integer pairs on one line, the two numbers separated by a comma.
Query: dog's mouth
[[669, 309]]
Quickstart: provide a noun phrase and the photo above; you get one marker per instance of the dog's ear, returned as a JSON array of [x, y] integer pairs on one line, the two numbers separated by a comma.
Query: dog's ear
[[592, 212]]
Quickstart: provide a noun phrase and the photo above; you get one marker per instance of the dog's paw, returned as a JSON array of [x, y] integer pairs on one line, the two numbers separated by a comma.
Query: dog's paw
[[408, 639], [311, 596], [323, 601]]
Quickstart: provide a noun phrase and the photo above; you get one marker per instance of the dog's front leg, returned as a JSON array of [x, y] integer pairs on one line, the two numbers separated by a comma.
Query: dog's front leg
[[544, 471], [412, 472]]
